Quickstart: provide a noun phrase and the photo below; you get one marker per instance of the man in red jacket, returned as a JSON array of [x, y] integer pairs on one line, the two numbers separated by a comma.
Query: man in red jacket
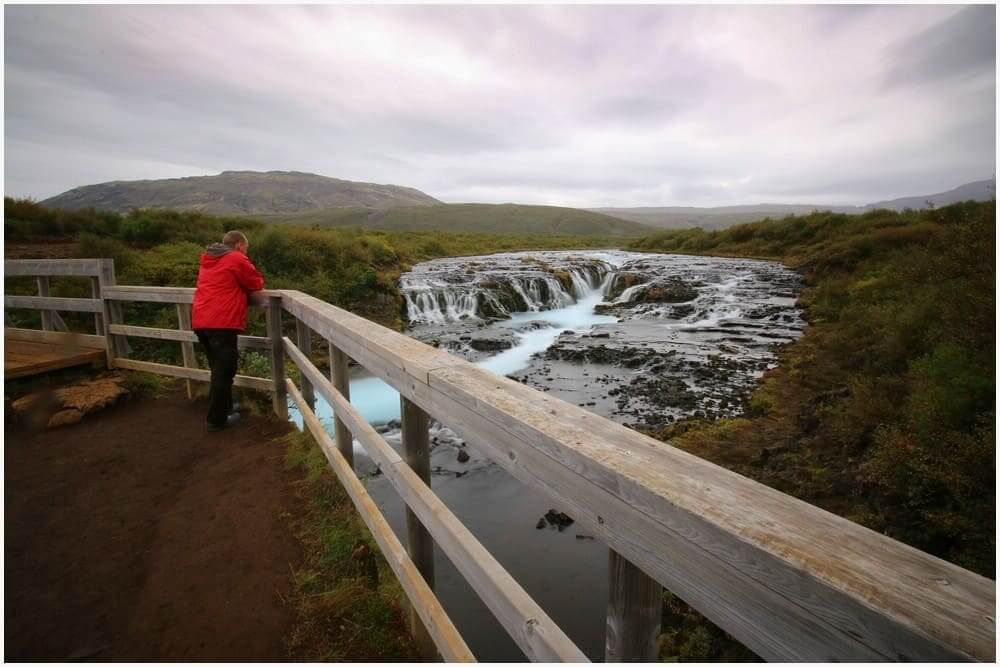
[[219, 314]]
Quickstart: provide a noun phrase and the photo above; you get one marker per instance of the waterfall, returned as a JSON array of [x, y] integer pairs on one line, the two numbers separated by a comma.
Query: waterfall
[[453, 289], [583, 282]]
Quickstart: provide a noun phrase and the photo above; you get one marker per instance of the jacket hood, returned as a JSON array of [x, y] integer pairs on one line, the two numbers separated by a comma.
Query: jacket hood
[[214, 253], [217, 250]]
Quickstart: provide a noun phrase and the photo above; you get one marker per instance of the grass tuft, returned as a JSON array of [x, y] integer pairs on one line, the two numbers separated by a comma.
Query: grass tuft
[[348, 604]]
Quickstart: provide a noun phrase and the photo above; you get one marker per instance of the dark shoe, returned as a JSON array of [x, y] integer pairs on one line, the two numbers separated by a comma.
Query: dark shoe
[[233, 418]]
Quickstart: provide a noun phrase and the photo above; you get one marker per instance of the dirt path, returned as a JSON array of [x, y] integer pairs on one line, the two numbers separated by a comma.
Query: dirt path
[[138, 534]]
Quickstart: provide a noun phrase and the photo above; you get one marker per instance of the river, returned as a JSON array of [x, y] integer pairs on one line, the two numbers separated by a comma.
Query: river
[[638, 338]]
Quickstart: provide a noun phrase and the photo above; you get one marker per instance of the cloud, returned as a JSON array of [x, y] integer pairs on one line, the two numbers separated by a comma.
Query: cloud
[[570, 105], [962, 45]]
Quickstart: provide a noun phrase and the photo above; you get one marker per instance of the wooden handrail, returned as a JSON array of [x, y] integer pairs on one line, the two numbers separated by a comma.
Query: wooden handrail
[[443, 631], [260, 299], [53, 303], [528, 625], [252, 342], [52, 267], [787, 579]]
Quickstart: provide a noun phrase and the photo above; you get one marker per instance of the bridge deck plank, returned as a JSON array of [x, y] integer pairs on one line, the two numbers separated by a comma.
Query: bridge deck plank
[[22, 358]]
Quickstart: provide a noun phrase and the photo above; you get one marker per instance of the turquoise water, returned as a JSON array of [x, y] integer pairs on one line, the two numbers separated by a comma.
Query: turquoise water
[[564, 571], [379, 403]]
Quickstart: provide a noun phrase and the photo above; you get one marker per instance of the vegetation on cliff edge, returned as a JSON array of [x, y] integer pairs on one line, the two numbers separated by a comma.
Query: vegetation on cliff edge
[[884, 412]]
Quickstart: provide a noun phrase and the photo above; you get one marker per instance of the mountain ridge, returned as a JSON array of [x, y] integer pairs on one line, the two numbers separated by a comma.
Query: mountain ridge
[[240, 193]]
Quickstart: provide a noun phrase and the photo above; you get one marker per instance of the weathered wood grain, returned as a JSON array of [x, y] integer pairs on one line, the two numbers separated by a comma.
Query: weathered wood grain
[[111, 311], [416, 448], [201, 375], [788, 579], [341, 380], [244, 342], [22, 358], [279, 399], [95, 293], [422, 599], [51, 267], [52, 303], [855, 585], [51, 320], [67, 338], [258, 299], [187, 347], [529, 626], [303, 339], [635, 606]]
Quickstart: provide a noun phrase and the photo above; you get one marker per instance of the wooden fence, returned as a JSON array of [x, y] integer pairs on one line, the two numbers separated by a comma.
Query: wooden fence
[[787, 579]]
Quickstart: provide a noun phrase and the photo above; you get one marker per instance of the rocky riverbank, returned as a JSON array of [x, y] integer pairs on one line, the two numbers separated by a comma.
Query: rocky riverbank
[[667, 337]]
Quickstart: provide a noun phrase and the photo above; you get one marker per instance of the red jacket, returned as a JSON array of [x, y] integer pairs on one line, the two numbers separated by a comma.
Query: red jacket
[[220, 300]]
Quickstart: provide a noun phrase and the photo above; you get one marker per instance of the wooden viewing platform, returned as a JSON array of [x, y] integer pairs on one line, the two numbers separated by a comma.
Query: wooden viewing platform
[[787, 579], [25, 354]]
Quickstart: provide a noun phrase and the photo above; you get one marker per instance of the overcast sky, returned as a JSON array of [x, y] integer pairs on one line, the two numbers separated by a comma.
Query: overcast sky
[[569, 105]]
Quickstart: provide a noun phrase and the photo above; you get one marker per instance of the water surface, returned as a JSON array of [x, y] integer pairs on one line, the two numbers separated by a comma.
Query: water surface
[[645, 362]]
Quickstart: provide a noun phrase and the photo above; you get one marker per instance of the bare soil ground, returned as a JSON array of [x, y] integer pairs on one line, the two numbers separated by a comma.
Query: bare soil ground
[[136, 534]]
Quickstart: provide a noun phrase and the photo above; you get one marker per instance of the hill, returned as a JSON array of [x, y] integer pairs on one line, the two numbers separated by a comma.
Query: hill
[[240, 193], [978, 191], [721, 217], [477, 218]]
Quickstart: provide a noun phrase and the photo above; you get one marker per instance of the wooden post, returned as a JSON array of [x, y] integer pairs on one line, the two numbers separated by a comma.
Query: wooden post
[[43, 290], [341, 381], [303, 341], [95, 292], [118, 345], [187, 348], [279, 397], [51, 320], [416, 446], [635, 607]]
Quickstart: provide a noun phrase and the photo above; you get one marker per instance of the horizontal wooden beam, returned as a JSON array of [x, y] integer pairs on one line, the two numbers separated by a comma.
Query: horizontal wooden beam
[[789, 580], [172, 294], [446, 637], [52, 267], [53, 303], [260, 384], [253, 342], [56, 337], [528, 625]]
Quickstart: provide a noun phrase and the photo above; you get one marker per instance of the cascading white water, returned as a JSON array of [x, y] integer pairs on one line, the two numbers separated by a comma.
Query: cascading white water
[[498, 290], [626, 295], [438, 306], [582, 283], [448, 301]]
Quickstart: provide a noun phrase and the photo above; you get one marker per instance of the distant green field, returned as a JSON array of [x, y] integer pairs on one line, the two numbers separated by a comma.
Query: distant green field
[[479, 218]]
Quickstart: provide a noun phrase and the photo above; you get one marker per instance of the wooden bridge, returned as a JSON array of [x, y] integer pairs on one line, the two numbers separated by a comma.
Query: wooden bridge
[[787, 579]]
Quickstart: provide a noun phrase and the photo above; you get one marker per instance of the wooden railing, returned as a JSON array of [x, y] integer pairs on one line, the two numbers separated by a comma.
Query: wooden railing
[[787, 579]]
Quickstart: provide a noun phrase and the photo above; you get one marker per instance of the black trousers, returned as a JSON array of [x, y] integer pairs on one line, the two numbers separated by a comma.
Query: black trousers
[[223, 356]]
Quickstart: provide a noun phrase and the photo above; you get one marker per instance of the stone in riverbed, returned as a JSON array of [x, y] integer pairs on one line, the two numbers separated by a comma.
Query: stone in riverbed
[[490, 344], [555, 519]]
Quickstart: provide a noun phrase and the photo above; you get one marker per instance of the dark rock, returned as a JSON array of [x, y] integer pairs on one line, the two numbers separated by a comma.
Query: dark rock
[[558, 519], [490, 344]]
